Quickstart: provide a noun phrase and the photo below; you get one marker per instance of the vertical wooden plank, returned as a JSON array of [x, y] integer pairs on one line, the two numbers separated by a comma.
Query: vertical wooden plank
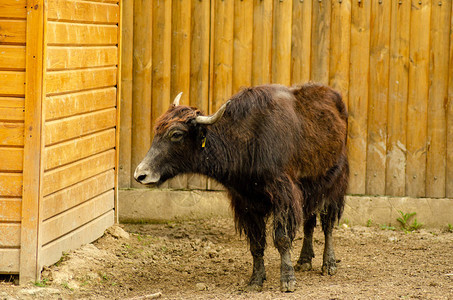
[[33, 147], [281, 42], [320, 35], [262, 41], [118, 114], [418, 98], [449, 173], [222, 61], [377, 104], [223, 53], [397, 105], [242, 40], [199, 69], [161, 58], [340, 41], [358, 91], [200, 56], [438, 89], [180, 63], [301, 42], [125, 149], [142, 78], [180, 50]]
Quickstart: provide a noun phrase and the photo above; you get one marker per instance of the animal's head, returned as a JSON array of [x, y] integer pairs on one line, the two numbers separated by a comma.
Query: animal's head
[[179, 137]]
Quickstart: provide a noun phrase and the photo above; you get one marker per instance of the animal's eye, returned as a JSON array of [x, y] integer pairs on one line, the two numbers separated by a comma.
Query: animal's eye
[[176, 136]]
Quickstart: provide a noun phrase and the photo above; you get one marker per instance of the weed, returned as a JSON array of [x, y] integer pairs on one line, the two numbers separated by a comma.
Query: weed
[[404, 220], [42, 283], [449, 228], [66, 286], [387, 227], [64, 257], [369, 223], [345, 222]]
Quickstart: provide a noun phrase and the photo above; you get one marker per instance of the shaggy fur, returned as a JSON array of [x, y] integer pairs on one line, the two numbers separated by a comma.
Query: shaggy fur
[[279, 152]]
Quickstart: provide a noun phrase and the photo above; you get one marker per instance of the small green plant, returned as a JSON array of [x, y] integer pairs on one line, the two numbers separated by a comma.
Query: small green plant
[[369, 223], [41, 283], [449, 228], [64, 257], [387, 227], [66, 286], [404, 221]]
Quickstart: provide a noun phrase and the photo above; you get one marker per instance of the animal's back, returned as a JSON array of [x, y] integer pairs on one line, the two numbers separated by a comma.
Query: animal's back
[[324, 128]]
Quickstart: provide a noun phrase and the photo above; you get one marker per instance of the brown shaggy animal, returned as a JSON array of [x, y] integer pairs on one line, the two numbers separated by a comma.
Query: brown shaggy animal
[[280, 152]]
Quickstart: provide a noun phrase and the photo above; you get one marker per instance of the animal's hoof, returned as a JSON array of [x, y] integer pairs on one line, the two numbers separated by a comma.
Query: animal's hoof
[[253, 287], [303, 267], [288, 286], [329, 269]]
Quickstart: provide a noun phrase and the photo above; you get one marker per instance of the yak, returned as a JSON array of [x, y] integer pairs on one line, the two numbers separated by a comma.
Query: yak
[[279, 151]]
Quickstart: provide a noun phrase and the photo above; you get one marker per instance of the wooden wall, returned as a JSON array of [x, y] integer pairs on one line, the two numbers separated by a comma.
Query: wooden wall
[[391, 60], [12, 104], [59, 95], [80, 116]]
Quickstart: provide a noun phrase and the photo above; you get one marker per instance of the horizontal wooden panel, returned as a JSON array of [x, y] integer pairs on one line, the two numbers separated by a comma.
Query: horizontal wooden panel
[[11, 159], [10, 209], [13, 9], [63, 177], [13, 83], [91, 231], [81, 57], [10, 184], [11, 134], [9, 261], [74, 150], [12, 109], [76, 80], [76, 194], [12, 114], [81, 34], [9, 235], [12, 31], [64, 10], [76, 217], [12, 57], [77, 103], [12, 102], [105, 1], [72, 127]]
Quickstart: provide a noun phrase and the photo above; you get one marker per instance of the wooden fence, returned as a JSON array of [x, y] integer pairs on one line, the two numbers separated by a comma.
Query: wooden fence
[[391, 60]]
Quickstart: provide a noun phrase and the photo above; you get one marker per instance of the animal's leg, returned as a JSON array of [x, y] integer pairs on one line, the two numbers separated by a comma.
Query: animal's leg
[[259, 272], [307, 254], [256, 234], [283, 245], [329, 265]]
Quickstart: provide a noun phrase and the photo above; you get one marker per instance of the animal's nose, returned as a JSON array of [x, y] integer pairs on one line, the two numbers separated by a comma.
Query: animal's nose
[[140, 178], [145, 176]]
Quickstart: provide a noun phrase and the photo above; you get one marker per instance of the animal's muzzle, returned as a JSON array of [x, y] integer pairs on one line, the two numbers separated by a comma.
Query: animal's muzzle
[[145, 175]]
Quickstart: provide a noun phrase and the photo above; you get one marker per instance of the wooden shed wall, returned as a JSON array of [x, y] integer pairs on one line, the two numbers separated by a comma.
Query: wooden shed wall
[[12, 94], [59, 114], [391, 60], [80, 118]]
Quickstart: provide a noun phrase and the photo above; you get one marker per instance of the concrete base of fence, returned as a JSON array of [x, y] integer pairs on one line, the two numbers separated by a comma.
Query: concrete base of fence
[[153, 205]]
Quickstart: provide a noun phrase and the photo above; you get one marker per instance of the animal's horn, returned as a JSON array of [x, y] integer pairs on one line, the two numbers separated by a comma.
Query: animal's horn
[[208, 120], [177, 98]]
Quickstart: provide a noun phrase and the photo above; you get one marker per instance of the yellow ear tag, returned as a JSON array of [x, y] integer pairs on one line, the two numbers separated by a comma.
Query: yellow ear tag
[[203, 142]]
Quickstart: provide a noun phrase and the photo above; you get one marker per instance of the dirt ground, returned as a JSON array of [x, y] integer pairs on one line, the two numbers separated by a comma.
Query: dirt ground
[[206, 259]]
